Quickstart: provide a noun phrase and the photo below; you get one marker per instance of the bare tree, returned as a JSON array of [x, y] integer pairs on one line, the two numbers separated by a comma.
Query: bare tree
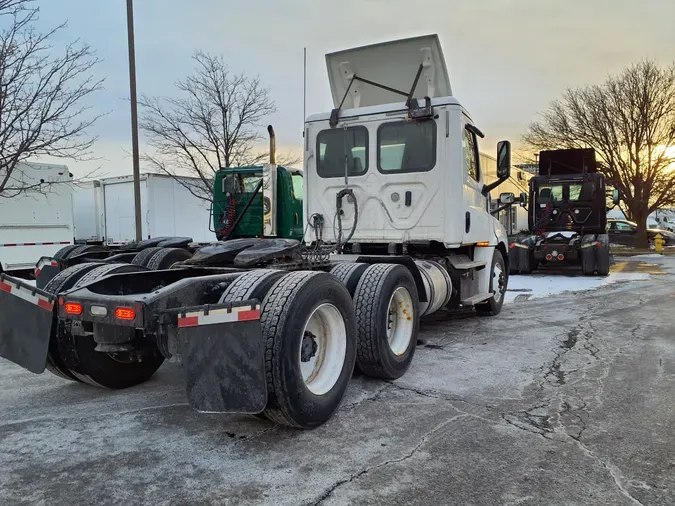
[[42, 91], [630, 122], [215, 122]]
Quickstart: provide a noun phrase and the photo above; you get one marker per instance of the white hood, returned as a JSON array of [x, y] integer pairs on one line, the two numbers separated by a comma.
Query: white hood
[[393, 64]]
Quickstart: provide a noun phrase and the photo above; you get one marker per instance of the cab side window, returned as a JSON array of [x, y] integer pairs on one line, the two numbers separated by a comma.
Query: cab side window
[[471, 155]]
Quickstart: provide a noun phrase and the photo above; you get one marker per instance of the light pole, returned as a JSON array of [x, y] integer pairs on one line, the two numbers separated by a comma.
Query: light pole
[[134, 119]]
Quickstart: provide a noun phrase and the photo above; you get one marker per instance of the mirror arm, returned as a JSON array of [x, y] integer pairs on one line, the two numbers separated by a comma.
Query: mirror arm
[[489, 187]]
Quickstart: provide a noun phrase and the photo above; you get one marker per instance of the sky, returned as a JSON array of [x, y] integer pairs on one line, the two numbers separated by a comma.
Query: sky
[[507, 59]]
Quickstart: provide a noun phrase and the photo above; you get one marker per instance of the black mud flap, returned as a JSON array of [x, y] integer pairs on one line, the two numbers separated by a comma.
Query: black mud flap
[[26, 315], [223, 357]]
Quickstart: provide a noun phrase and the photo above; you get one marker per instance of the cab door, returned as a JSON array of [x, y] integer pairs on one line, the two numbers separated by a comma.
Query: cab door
[[476, 218]]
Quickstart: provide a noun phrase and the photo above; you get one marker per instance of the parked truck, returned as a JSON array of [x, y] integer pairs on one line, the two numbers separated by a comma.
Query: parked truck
[[396, 226], [567, 215], [36, 215]]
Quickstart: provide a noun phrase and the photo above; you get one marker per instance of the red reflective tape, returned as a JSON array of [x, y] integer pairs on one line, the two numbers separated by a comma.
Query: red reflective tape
[[10, 244], [252, 314], [45, 304], [5, 287], [31, 243], [189, 321]]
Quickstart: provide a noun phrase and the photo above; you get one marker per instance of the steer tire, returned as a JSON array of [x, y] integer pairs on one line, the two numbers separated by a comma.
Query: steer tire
[[494, 304], [102, 369], [286, 310], [166, 258], [144, 256], [252, 285], [64, 252], [603, 255], [372, 300], [350, 274], [63, 281]]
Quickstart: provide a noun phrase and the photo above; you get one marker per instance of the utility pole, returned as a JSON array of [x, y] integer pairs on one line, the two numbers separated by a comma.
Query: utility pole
[[134, 119]]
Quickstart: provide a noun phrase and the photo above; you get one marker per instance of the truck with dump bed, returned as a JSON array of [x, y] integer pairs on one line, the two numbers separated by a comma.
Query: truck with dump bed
[[396, 226], [567, 215]]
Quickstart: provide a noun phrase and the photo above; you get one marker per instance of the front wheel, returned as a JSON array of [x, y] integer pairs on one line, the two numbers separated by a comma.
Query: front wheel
[[498, 282]]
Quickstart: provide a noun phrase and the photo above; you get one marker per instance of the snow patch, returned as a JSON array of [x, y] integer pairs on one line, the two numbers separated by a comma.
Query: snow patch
[[542, 285]]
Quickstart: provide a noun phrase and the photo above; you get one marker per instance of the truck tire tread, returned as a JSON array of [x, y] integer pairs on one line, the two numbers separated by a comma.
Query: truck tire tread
[[166, 258], [144, 256], [374, 357], [64, 279], [287, 302]]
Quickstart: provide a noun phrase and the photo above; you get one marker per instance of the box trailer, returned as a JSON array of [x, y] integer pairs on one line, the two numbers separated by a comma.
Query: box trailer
[[168, 209], [88, 213], [38, 221]]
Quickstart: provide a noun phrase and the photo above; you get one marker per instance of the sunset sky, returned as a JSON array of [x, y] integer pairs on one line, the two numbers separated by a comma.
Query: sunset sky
[[506, 58]]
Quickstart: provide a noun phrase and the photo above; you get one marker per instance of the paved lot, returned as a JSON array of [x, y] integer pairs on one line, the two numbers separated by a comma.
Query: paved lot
[[559, 400]]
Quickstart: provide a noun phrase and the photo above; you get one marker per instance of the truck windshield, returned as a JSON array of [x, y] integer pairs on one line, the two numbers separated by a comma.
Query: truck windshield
[[574, 192], [340, 149]]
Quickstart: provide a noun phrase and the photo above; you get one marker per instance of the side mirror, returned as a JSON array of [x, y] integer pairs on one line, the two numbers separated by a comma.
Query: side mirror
[[523, 199], [507, 198], [503, 159], [616, 198]]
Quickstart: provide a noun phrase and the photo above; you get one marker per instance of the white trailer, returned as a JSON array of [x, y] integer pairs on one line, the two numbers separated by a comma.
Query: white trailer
[[168, 209], [88, 211], [38, 221]]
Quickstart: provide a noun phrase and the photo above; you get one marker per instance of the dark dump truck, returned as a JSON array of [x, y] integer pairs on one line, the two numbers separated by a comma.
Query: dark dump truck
[[567, 215]]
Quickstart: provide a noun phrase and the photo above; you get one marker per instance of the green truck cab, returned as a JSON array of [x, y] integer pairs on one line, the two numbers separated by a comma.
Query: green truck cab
[[258, 201]]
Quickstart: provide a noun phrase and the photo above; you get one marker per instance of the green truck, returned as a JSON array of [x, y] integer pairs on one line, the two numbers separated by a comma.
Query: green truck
[[243, 199]]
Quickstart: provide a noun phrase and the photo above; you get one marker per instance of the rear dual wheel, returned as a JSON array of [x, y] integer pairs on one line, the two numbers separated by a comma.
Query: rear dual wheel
[[309, 331], [386, 303], [74, 357]]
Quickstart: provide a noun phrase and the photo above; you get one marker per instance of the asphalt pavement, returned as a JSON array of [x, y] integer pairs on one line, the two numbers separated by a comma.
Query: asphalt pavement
[[566, 399]]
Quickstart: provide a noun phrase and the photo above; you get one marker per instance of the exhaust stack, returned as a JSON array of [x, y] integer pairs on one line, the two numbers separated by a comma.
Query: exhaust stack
[[273, 145]]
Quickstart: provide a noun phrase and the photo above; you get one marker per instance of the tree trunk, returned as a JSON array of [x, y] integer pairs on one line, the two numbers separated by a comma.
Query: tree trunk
[[640, 217]]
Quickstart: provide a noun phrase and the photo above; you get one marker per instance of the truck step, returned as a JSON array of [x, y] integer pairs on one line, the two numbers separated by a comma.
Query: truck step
[[465, 266], [476, 299]]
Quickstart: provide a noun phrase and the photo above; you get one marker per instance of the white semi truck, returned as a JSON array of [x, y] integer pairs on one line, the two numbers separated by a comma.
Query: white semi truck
[[36, 215], [397, 227]]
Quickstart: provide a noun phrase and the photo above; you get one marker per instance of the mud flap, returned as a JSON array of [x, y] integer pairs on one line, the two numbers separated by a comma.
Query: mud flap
[[223, 357], [26, 315]]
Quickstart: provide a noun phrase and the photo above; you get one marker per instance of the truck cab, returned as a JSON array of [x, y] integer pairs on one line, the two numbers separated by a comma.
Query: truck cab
[[258, 201], [402, 150]]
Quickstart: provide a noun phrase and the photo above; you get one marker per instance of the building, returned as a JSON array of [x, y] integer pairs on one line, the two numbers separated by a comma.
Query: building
[[515, 218]]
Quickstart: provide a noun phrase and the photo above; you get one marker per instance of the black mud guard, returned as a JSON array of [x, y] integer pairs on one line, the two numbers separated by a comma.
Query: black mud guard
[[223, 357], [26, 316], [45, 270]]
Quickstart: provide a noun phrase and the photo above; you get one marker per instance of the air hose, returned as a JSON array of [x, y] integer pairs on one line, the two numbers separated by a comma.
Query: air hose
[[338, 206]]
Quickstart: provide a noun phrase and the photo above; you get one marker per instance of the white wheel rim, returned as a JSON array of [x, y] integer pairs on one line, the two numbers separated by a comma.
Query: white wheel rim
[[400, 321], [324, 340], [497, 274]]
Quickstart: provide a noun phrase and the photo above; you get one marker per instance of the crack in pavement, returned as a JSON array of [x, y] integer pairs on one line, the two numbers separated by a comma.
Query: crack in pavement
[[405, 457], [613, 471]]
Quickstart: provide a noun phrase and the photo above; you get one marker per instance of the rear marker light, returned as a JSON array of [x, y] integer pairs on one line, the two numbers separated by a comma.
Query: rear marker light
[[98, 311], [560, 257], [125, 313], [549, 257], [73, 308]]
